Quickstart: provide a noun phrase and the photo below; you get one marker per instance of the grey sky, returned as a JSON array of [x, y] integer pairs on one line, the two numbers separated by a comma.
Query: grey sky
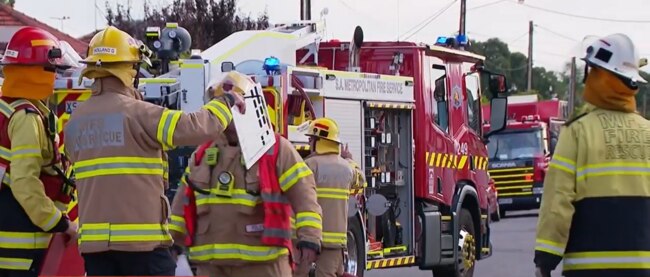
[[555, 37]]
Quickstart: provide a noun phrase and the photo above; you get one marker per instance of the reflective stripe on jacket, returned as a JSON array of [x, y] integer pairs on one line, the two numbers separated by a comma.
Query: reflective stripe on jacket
[[26, 212], [595, 212], [116, 144], [335, 177], [229, 229]]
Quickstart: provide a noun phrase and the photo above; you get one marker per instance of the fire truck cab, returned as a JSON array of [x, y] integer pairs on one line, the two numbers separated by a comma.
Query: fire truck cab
[[519, 155]]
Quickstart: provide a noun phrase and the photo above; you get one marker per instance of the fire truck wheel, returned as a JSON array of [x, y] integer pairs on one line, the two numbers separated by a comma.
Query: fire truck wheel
[[502, 212], [354, 261], [466, 250], [496, 215]]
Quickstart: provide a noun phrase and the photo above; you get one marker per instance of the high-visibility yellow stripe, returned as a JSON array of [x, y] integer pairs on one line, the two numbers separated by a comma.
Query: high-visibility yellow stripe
[[5, 153], [563, 164], [25, 151], [52, 220], [6, 109], [238, 197], [177, 224], [24, 240], [91, 232], [118, 166], [549, 247], [293, 175], [610, 169], [236, 252], [607, 260], [309, 219], [220, 110], [15, 263], [167, 127], [335, 237], [333, 193]]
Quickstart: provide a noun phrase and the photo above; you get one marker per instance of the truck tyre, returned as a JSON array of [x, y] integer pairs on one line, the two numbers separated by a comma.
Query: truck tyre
[[355, 256], [496, 215], [502, 212], [466, 250]]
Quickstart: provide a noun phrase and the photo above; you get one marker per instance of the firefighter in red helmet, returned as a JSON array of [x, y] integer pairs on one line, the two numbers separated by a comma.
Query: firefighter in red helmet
[[34, 191]]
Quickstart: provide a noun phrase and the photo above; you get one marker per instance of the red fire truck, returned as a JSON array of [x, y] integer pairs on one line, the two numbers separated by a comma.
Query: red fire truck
[[519, 155]]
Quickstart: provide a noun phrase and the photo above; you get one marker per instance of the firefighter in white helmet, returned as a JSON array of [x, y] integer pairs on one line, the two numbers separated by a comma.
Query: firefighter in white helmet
[[116, 142], [336, 174], [595, 213], [236, 221]]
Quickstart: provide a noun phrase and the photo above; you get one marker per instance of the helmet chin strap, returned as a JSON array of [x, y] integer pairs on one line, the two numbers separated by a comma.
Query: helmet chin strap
[[627, 81], [136, 79]]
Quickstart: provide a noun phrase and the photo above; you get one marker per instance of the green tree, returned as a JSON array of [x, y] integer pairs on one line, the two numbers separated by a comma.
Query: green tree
[[207, 21], [11, 3]]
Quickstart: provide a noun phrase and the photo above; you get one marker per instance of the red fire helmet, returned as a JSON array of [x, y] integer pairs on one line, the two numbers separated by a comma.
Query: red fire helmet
[[33, 46]]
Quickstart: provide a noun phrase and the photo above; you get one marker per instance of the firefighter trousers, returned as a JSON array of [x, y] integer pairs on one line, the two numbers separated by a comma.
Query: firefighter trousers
[[33, 271], [328, 264], [279, 268], [118, 263]]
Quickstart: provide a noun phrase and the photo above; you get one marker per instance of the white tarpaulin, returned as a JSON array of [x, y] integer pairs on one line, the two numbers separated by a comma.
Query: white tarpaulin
[[183, 267], [253, 128]]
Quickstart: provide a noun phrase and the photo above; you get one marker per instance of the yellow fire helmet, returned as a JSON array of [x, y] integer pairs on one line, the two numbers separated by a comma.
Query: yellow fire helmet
[[324, 128], [233, 80], [113, 45]]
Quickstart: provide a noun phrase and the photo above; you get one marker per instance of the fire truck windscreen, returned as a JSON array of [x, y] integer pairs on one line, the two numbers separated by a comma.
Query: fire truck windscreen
[[513, 145]]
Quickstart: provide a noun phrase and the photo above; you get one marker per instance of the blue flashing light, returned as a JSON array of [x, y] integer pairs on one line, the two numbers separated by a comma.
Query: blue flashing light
[[462, 39], [441, 41], [271, 65]]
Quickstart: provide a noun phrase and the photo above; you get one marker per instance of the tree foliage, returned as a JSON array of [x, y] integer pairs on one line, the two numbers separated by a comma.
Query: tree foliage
[[207, 21], [546, 83], [11, 3]]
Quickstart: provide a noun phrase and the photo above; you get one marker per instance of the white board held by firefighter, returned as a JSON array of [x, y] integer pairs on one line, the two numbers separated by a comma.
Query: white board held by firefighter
[[256, 136]]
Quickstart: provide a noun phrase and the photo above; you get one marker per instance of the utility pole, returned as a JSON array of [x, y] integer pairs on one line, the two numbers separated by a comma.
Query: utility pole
[[463, 12], [305, 9], [95, 9], [572, 86], [530, 55]]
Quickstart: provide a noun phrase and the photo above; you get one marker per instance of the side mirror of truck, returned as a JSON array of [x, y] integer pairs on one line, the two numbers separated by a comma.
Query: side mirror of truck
[[498, 111]]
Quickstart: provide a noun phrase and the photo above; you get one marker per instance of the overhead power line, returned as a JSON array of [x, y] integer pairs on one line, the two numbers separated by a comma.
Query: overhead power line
[[427, 21], [556, 33], [583, 16], [486, 5]]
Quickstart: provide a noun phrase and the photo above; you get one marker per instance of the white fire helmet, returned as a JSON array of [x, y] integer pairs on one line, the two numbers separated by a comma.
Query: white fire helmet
[[617, 54]]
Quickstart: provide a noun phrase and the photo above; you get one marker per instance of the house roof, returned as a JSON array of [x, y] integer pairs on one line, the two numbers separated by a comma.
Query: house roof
[[88, 37], [12, 17]]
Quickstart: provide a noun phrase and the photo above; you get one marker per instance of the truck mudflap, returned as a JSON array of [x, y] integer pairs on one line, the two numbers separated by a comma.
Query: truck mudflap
[[431, 235]]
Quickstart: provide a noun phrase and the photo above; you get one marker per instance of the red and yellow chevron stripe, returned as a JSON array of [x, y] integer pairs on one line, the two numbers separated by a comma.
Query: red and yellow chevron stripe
[[65, 101]]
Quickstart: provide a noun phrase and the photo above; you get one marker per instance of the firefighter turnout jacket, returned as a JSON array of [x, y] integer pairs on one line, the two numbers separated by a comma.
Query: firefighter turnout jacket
[[115, 142], [335, 177], [27, 152], [595, 213], [230, 220]]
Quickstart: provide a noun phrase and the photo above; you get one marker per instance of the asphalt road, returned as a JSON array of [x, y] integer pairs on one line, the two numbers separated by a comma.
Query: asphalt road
[[513, 240]]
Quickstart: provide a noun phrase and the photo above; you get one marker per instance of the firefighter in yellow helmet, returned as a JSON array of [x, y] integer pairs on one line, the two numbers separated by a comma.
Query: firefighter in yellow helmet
[[236, 222], [116, 142], [335, 177], [32, 194], [595, 213]]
